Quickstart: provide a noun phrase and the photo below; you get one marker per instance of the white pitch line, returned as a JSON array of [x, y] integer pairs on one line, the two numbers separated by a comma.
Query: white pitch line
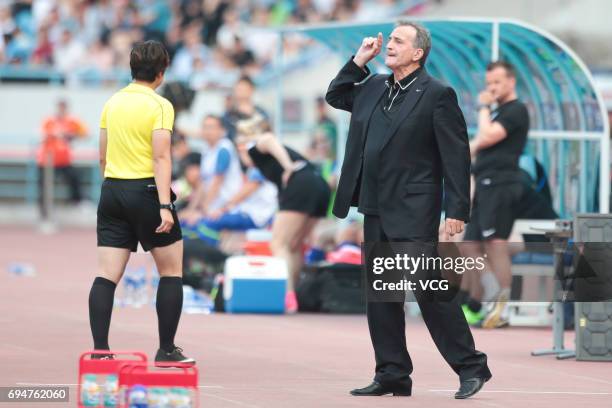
[[70, 385], [45, 384], [534, 392], [240, 403]]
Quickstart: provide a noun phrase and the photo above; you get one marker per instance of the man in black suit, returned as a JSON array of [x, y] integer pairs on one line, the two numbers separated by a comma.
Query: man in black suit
[[407, 139]]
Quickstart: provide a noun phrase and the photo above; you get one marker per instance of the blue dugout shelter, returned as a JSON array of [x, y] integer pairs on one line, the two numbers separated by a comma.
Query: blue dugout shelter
[[569, 125]]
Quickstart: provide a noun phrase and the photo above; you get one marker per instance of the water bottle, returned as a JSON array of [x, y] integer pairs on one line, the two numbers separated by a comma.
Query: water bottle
[[129, 289], [137, 397], [135, 284], [202, 303], [159, 398], [180, 398], [141, 294], [90, 391], [195, 302], [187, 298], [111, 391], [154, 285], [21, 269]]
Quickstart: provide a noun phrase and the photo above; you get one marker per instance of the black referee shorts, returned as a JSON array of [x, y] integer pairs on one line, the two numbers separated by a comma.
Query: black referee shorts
[[493, 211], [128, 213]]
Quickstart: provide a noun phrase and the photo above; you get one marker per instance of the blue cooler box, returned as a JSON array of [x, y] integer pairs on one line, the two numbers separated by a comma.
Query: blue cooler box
[[255, 284]]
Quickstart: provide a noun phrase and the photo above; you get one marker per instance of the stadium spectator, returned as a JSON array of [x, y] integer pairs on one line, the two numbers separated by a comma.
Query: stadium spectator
[[305, 12], [501, 138], [193, 48], [221, 175], [326, 124], [322, 156], [242, 106], [213, 24], [242, 56], [19, 48], [253, 206], [58, 132], [216, 72], [259, 38], [180, 150], [212, 13], [155, 17], [188, 180], [7, 30], [344, 10], [372, 11], [231, 28], [101, 57], [43, 53], [69, 53], [174, 39], [7, 23]]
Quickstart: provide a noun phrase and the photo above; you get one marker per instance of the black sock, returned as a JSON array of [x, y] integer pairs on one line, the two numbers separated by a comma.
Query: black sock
[[101, 299], [169, 305], [474, 305], [462, 297]]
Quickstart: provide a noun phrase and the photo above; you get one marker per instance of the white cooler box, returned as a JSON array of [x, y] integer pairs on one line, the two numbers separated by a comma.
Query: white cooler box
[[255, 284]]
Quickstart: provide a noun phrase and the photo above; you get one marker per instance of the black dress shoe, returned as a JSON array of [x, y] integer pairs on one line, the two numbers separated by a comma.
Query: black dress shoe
[[377, 389], [470, 387]]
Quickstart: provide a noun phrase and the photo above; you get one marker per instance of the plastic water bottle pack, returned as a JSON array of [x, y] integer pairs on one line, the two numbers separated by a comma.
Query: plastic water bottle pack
[[90, 391], [93, 394], [195, 302], [111, 391], [140, 396], [135, 291]]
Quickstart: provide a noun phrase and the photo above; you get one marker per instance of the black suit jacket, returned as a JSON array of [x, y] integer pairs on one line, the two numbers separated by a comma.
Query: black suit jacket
[[425, 150]]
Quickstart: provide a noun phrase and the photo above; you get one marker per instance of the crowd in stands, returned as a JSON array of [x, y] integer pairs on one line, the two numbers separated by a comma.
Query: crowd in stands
[[211, 42]]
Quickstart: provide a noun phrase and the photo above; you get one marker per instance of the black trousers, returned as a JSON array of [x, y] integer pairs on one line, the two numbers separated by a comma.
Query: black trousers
[[70, 175], [444, 320]]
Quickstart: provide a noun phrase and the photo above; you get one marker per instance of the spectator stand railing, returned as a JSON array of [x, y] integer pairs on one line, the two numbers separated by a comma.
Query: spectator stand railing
[[19, 175]]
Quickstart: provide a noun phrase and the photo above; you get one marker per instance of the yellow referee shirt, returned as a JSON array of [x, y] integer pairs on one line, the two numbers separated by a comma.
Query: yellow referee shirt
[[130, 116]]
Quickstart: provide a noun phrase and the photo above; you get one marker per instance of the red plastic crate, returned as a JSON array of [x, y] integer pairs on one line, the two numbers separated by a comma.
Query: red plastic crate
[[106, 367], [131, 374]]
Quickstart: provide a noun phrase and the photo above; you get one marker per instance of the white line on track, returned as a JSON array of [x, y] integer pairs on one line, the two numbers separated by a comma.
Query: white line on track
[[46, 384], [533, 392], [72, 385], [240, 403]]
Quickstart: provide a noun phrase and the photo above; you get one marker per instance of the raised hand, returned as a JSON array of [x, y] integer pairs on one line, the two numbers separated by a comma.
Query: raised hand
[[486, 98], [370, 48]]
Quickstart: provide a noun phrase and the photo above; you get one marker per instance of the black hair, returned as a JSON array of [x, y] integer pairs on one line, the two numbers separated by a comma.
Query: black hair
[[247, 79], [510, 71], [215, 117], [148, 59]]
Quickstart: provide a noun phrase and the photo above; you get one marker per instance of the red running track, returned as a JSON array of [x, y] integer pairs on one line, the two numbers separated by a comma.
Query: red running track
[[260, 361]]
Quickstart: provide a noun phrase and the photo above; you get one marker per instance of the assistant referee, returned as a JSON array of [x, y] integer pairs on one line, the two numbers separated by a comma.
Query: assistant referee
[[136, 200]]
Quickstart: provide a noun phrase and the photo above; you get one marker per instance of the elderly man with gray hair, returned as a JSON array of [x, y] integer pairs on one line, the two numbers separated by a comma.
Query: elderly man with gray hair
[[407, 143]]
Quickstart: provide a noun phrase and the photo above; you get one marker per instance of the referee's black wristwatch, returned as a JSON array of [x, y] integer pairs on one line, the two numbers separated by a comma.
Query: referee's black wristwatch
[[167, 207]]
